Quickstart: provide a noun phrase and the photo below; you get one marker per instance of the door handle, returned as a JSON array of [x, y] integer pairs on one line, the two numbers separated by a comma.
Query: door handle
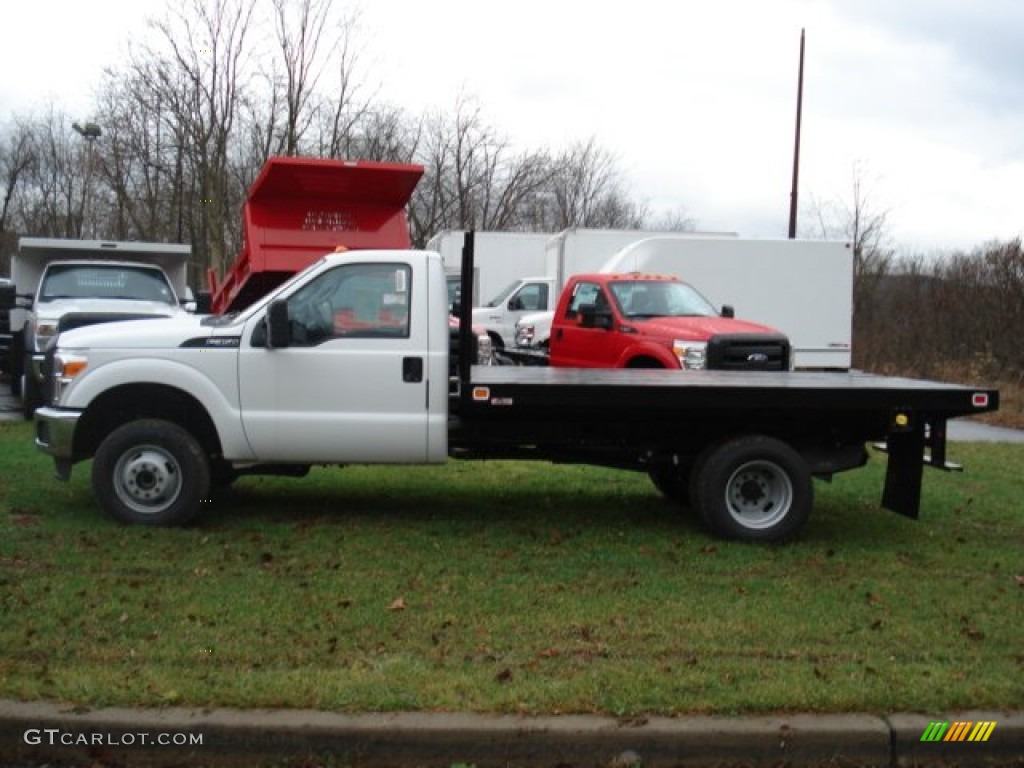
[[412, 369]]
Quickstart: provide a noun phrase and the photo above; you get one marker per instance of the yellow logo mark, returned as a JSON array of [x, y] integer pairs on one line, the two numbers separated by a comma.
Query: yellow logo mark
[[962, 731]]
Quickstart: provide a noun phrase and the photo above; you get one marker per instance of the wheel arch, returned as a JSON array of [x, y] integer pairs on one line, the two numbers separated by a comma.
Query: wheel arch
[[636, 355], [131, 402]]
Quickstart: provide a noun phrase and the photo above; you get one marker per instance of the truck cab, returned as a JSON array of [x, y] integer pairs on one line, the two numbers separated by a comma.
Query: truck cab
[[639, 320], [521, 297], [61, 284]]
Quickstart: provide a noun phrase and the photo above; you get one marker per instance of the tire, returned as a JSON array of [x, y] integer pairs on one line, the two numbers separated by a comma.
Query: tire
[[754, 488], [31, 392], [151, 472], [16, 361], [673, 482]]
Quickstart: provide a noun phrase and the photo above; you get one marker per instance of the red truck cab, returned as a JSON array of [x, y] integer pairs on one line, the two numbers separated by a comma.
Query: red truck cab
[[655, 321]]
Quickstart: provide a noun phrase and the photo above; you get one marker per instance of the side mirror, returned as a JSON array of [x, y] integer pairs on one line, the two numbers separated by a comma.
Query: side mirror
[[591, 317], [278, 327], [204, 303], [8, 296], [728, 311]]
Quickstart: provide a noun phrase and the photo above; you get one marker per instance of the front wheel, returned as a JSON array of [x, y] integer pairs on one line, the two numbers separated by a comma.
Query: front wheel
[[754, 488], [151, 472]]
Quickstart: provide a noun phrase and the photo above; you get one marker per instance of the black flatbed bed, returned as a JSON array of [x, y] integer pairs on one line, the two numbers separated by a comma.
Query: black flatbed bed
[[547, 387], [645, 419]]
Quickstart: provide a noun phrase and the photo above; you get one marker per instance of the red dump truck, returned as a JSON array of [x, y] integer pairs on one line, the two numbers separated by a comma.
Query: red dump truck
[[300, 208]]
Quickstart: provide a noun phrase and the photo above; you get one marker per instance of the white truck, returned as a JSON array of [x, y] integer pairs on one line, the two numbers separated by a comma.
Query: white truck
[[348, 362], [64, 283], [509, 278], [803, 288]]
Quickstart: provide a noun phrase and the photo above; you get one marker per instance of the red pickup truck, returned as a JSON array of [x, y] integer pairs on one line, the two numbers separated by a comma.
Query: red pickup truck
[[654, 321]]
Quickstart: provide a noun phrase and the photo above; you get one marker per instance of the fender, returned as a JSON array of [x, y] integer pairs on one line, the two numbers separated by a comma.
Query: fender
[[220, 402], [648, 349]]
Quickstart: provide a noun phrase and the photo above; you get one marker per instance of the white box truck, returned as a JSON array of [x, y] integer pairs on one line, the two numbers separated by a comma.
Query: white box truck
[[803, 288], [61, 283]]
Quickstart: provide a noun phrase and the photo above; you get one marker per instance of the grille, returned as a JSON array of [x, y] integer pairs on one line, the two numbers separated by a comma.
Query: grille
[[742, 352]]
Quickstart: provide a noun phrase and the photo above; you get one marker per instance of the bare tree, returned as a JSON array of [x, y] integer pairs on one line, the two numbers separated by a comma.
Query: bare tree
[[299, 27], [199, 66], [17, 157], [587, 190], [865, 226]]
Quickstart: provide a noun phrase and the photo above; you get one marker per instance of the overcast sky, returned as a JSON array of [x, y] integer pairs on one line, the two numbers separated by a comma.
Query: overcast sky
[[696, 100]]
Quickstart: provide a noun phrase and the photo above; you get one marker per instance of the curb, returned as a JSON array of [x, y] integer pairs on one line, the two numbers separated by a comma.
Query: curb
[[40, 731]]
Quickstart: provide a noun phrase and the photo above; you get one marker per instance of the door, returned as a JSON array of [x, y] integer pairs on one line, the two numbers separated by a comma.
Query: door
[[578, 346], [352, 384], [531, 297]]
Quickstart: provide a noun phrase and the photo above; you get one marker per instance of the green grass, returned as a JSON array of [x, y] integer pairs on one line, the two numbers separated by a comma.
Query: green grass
[[505, 587]]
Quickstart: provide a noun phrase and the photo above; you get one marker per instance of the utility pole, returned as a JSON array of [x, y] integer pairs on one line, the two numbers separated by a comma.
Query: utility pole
[[796, 147]]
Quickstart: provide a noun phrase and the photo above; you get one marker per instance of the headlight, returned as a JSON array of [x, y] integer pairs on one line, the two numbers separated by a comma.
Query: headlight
[[44, 332], [525, 334], [483, 349], [66, 366], [692, 355]]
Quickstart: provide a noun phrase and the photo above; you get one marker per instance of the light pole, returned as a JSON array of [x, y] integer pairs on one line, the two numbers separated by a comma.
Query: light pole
[[90, 132]]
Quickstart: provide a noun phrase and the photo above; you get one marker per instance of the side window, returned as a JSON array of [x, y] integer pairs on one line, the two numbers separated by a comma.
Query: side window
[[585, 293], [531, 297], [352, 301]]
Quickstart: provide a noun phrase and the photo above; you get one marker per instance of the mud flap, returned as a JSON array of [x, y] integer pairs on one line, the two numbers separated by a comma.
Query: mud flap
[[902, 492]]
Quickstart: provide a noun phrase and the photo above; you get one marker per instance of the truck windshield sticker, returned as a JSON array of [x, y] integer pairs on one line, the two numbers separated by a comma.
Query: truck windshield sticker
[[77, 281]]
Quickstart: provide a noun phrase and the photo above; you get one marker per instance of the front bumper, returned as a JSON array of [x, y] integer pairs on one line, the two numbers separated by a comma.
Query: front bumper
[[55, 435]]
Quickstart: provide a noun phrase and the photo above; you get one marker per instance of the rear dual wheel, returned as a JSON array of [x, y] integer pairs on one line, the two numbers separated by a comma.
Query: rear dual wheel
[[753, 488]]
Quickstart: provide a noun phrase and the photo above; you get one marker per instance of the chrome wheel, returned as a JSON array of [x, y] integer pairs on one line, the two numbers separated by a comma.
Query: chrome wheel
[[759, 494], [147, 479]]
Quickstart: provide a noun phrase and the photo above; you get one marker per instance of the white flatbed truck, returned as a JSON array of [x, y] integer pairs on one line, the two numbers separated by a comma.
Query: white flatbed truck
[[316, 372]]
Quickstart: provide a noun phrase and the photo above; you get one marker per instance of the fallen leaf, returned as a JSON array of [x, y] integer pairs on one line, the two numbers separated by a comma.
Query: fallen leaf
[[398, 604], [1019, 580], [504, 676]]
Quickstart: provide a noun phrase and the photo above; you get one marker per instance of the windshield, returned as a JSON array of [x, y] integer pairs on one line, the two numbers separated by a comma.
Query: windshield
[[651, 298], [106, 281], [496, 301]]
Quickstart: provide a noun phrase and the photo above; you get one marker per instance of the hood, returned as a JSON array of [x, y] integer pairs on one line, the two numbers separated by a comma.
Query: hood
[[54, 310], [698, 328], [158, 333]]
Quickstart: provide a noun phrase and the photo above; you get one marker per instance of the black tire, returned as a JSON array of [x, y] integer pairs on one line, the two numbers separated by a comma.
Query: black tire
[[673, 482], [31, 391], [16, 361], [754, 488], [151, 472]]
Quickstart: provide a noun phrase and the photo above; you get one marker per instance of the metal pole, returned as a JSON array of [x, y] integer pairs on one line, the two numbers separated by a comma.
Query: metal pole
[[796, 146]]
